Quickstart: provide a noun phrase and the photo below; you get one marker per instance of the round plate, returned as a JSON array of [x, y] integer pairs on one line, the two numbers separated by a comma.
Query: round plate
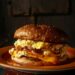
[[6, 62]]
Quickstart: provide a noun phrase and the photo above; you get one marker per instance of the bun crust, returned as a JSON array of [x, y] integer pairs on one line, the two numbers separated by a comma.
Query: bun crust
[[41, 33], [25, 61], [28, 62]]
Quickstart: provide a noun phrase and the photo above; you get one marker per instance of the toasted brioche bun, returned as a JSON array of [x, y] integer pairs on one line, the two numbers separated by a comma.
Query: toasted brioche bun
[[44, 33]]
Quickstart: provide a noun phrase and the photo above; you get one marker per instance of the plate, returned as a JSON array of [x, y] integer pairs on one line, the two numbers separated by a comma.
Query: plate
[[6, 62]]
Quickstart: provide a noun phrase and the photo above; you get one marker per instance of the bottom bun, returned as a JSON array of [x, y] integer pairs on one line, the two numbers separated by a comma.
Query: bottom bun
[[25, 61]]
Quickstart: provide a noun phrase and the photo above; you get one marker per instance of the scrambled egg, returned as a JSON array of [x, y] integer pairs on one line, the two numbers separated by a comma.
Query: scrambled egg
[[20, 53], [38, 45], [47, 52], [17, 53], [33, 44], [23, 43]]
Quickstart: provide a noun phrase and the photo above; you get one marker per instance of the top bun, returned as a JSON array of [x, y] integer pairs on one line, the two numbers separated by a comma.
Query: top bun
[[42, 32]]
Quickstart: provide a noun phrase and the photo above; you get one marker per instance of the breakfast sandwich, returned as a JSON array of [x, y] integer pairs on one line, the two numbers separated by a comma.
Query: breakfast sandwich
[[41, 45]]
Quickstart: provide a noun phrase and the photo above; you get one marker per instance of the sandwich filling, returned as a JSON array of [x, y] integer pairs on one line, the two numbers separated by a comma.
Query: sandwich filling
[[43, 51]]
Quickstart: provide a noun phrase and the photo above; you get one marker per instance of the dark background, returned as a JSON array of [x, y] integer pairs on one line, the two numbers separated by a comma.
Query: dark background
[[9, 23]]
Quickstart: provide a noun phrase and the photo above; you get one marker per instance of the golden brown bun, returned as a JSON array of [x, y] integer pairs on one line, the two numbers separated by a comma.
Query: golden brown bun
[[40, 33], [26, 61]]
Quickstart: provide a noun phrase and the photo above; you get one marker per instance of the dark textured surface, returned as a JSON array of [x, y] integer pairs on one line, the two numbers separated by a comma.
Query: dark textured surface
[[11, 23], [40, 6], [10, 72], [1, 71]]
